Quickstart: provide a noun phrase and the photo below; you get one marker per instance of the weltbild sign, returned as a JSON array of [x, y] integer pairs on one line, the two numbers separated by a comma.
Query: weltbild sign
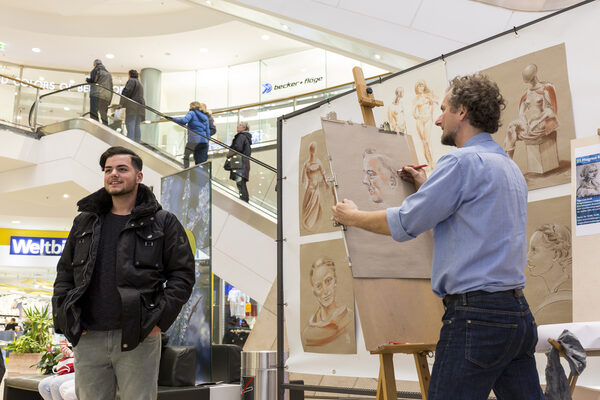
[[36, 246]]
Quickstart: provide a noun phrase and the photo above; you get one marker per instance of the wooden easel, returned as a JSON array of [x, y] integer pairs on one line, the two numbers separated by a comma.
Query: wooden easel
[[386, 384], [365, 96]]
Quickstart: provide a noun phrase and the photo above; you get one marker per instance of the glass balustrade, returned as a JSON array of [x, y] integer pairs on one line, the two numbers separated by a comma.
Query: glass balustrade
[[16, 98]]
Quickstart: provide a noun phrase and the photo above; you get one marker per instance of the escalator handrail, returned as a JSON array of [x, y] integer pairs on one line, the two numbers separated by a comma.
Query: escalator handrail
[[216, 141]]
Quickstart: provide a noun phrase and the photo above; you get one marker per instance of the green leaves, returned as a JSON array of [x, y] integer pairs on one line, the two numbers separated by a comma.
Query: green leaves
[[36, 337]]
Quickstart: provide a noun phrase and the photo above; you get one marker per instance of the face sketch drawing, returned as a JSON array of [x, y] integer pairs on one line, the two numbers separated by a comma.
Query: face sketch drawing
[[396, 116], [330, 320], [589, 184], [379, 176], [312, 179], [537, 112], [423, 107], [550, 259]]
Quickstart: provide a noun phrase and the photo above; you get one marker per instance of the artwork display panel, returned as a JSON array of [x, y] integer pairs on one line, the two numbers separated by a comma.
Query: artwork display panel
[[316, 194], [326, 298], [412, 105], [366, 172], [537, 124], [187, 194], [549, 271]]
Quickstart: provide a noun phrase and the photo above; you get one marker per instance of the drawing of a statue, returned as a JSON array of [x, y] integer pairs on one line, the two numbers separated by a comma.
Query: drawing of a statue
[[396, 112], [423, 106], [312, 178], [380, 177], [589, 184], [550, 258], [330, 321], [537, 112]]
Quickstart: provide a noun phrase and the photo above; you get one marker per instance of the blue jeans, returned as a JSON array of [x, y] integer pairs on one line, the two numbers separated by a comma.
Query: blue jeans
[[200, 151], [132, 122], [487, 342], [101, 366]]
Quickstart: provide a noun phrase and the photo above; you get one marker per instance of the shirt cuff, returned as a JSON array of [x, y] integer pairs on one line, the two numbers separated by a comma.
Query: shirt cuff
[[394, 222]]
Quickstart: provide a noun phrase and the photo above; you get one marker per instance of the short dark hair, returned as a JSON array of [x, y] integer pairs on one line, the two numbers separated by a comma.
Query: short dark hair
[[481, 98], [133, 73], [116, 150]]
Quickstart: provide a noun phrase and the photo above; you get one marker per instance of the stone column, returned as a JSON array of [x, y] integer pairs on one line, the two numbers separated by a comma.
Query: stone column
[[151, 81]]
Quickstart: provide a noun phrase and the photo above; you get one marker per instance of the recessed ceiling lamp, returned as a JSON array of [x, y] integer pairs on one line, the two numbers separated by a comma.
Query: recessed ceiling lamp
[[66, 108], [15, 222], [265, 37], [110, 56], [377, 56], [66, 195], [285, 27], [203, 50], [209, 2], [36, 50]]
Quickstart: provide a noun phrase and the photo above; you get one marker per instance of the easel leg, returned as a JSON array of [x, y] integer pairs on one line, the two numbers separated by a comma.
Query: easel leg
[[423, 372], [386, 386]]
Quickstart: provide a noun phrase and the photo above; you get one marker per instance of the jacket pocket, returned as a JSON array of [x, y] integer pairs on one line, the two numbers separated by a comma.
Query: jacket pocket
[[83, 242], [148, 249]]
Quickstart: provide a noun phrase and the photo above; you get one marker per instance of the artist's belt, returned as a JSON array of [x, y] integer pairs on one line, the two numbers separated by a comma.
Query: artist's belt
[[452, 297]]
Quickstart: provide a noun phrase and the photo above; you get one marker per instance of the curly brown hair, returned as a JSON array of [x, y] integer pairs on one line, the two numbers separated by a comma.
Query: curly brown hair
[[481, 98]]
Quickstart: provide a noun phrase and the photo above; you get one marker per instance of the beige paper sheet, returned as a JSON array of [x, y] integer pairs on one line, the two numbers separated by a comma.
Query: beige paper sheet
[[326, 299], [316, 195], [552, 77], [400, 310], [549, 272], [365, 161]]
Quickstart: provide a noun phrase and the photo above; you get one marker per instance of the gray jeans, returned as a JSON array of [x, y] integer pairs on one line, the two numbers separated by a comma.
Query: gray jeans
[[102, 367]]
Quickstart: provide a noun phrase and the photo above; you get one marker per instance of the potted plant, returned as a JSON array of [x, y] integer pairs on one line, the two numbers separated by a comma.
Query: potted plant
[[27, 349]]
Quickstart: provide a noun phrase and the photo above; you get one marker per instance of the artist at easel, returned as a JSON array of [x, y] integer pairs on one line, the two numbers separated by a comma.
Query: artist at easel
[[476, 202]]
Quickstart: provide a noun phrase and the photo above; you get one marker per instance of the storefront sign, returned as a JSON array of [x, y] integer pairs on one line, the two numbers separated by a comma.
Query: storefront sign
[[273, 87], [36, 246], [51, 85]]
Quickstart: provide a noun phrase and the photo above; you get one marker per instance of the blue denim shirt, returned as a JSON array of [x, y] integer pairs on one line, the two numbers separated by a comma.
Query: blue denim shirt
[[476, 202]]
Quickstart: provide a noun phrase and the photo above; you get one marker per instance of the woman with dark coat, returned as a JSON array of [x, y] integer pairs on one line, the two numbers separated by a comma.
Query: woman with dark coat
[[198, 134], [134, 113], [242, 142]]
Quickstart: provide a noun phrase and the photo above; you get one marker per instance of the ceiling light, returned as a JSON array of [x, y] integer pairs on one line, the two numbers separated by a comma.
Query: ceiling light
[[36, 50], [265, 37], [41, 78], [203, 50], [209, 2], [285, 27], [66, 195], [66, 108], [377, 56], [16, 222], [110, 56]]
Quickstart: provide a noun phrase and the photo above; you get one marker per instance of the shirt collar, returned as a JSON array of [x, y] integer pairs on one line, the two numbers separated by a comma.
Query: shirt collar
[[479, 138]]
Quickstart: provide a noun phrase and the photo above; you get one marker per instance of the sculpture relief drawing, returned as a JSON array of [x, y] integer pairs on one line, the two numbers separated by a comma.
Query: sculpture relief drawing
[[327, 298], [316, 195]]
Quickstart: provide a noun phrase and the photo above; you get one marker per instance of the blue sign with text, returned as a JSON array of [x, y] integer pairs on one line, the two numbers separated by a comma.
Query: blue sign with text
[[36, 246]]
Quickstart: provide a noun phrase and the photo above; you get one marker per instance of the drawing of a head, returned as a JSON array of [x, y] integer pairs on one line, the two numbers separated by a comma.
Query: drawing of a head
[[589, 173], [323, 281], [312, 147], [549, 248], [399, 92], [530, 73], [379, 176], [421, 87]]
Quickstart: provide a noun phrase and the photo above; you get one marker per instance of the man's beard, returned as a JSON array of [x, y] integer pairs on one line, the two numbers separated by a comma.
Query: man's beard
[[449, 139]]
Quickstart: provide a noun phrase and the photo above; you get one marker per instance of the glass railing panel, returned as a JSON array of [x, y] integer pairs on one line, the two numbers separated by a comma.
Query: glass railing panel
[[8, 99]]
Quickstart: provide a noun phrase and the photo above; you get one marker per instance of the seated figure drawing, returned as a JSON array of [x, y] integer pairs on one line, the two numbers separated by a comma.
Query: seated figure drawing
[[550, 258], [537, 112], [396, 116], [312, 178], [589, 184], [330, 321], [380, 177]]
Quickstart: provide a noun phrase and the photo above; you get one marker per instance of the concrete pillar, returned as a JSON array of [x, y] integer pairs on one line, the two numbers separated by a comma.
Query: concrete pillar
[[151, 81]]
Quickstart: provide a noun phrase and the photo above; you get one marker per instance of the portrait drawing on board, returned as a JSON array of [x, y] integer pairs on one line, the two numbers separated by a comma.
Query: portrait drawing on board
[[326, 299], [538, 123], [549, 271], [316, 195], [588, 180], [367, 173]]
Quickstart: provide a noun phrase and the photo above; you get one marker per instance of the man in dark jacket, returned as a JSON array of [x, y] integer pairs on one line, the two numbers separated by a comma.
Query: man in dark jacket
[[134, 113], [242, 142], [101, 86], [126, 270]]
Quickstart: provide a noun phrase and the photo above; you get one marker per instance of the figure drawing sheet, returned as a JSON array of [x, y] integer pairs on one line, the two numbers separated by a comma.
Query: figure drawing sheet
[[549, 270], [412, 105], [316, 194], [326, 299], [365, 162], [537, 124]]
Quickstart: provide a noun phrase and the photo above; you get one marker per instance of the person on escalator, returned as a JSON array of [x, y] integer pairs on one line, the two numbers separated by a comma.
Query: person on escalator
[[241, 143], [101, 86], [198, 134], [134, 111]]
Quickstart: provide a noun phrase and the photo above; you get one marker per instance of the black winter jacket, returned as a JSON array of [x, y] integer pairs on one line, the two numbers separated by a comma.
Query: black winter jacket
[[153, 250], [135, 91], [103, 78], [242, 142]]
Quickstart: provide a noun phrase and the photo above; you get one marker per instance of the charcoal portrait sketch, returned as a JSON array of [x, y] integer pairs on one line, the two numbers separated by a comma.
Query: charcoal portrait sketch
[[588, 180]]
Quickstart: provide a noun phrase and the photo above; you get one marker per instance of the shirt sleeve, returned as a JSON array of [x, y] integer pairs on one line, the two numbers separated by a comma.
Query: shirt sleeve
[[436, 200]]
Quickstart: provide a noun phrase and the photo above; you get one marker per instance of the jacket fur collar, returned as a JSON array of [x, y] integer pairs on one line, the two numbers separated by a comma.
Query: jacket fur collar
[[100, 202]]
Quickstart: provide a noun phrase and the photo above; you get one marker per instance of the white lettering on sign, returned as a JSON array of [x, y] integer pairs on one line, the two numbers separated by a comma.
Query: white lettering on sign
[[36, 246]]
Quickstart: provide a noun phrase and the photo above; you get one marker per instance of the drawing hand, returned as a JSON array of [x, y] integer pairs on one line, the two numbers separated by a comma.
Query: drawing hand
[[415, 176], [344, 212]]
